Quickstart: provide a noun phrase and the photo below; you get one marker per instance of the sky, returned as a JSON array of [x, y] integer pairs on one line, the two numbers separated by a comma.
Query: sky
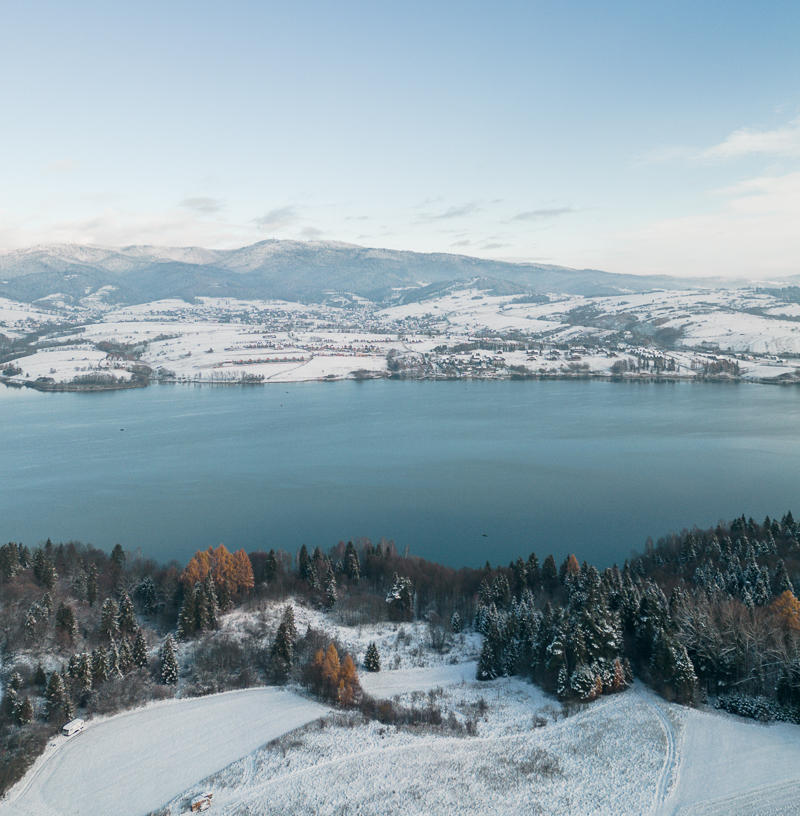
[[626, 136]]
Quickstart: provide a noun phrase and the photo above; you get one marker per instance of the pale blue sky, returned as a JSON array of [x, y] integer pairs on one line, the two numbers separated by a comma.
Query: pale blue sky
[[627, 136]]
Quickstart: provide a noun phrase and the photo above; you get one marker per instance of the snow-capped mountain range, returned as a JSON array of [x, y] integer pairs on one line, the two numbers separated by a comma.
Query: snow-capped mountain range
[[291, 270]]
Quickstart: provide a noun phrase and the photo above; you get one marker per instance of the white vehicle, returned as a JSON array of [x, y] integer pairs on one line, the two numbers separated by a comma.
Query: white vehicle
[[73, 727]]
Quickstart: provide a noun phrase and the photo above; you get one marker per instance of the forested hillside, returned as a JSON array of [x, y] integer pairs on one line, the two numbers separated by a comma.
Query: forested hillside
[[704, 614]]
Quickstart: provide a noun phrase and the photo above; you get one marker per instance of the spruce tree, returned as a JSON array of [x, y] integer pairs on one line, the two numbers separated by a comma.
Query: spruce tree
[[211, 604], [99, 665], [372, 660], [169, 662], [127, 617], [109, 615], [139, 650], [91, 584], [351, 566], [23, 713], [303, 562], [55, 697], [330, 589], [186, 617], [455, 623], [271, 567], [66, 623]]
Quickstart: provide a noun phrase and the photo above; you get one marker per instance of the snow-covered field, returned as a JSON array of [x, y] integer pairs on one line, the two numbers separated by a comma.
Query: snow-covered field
[[734, 767], [134, 762], [223, 340]]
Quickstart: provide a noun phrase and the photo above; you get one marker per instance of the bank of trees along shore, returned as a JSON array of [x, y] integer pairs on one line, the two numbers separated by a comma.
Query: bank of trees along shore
[[700, 613]]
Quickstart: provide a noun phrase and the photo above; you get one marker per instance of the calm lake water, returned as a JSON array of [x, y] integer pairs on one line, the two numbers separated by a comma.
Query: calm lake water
[[458, 472]]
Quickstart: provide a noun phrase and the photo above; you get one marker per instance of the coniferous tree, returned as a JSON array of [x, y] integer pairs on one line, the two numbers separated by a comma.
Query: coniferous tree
[[66, 623], [126, 620], [211, 604], [304, 562], [400, 599], [271, 567], [284, 643], [23, 713], [372, 660], [331, 594], [351, 566], [146, 595], [549, 574], [113, 662], [125, 655], [55, 697], [84, 676], [91, 584], [169, 662], [455, 623], [139, 650], [99, 665], [187, 616], [109, 616]]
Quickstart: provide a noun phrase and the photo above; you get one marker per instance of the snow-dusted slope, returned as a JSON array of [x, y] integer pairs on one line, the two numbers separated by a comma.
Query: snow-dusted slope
[[734, 767], [132, 763]]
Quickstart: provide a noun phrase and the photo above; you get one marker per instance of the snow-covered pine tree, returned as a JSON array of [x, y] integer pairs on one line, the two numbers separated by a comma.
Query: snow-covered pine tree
[[169, 662], [23, 713], [126, 621], [351, 565], [99, 665], [211, 603], [139, 649], [54, 696], [330, 589], [186, 617], [455, 623], [372, 660], [66, 623], [91, 584], [109, 616]]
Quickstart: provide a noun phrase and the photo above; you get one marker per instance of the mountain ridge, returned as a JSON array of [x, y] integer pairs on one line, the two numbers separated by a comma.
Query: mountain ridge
[[286, 269]]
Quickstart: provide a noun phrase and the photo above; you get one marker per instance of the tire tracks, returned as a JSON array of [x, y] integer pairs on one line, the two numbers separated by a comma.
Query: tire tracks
[[662, 787]]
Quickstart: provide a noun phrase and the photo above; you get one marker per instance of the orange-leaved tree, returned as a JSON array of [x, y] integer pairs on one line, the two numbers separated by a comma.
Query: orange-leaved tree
[[231, 570], [787, 609], [334, 680]]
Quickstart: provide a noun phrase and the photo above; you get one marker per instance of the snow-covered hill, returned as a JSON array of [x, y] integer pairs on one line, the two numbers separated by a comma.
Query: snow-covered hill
[[307, 270]]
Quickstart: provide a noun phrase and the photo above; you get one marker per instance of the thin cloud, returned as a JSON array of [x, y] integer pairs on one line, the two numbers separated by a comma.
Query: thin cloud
[[427, 202], [277, 219], [753, 234], [202, 205], [494, 246], [311, 233], [62, 166], [461, 244], [542, 214], [782, 141], [452, 212]]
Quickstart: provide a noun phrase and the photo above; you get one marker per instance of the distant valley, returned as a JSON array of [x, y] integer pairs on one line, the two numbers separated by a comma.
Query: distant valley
[[82, 318]]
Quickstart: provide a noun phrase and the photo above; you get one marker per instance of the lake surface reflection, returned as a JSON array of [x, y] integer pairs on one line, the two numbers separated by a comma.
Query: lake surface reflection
[[458, 472]]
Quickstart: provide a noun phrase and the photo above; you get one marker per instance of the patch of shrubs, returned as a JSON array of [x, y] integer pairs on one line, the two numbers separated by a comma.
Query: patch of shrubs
[[428, 717], [19, 748], [757, 707]]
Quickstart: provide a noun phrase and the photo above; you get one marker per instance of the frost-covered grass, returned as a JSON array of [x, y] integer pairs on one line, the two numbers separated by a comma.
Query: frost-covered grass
[[525, 758]]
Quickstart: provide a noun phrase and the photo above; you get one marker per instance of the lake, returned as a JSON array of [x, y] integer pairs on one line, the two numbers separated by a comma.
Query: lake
[[458, 472]]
